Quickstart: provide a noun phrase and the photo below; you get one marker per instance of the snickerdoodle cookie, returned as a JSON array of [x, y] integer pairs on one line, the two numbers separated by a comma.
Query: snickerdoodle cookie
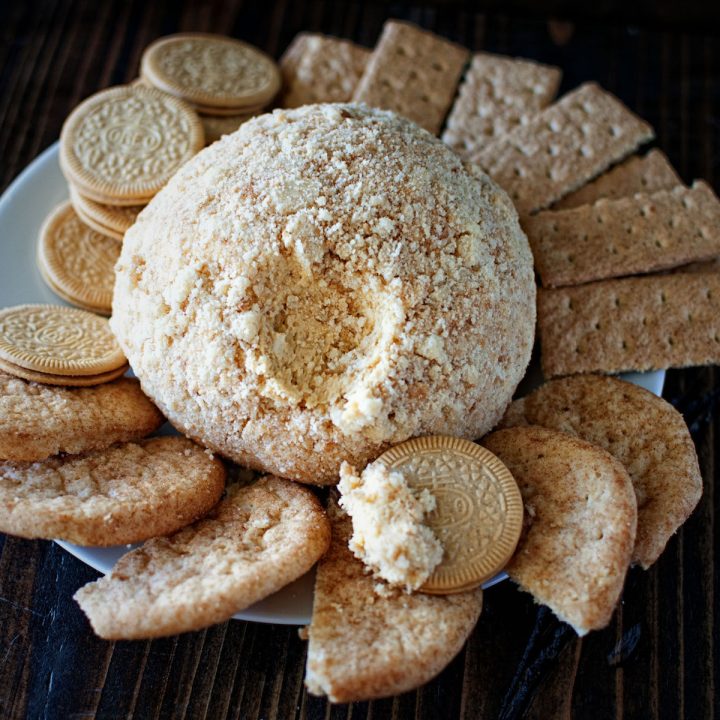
[[322, 284], [123, 494], [581, 521], [37, 421], [644, 432], [257, 540]]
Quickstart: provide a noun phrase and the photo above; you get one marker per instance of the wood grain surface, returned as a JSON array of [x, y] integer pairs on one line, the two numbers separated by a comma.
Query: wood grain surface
[[658, 657]]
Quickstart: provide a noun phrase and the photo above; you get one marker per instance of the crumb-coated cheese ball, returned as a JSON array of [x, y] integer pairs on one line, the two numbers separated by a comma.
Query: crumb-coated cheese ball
[[324, 283]]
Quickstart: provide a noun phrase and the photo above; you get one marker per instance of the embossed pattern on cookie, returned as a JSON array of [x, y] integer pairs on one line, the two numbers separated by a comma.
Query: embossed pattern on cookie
[[211, 70], [76, 261], [479, 512], [127, 142], [58, 340]]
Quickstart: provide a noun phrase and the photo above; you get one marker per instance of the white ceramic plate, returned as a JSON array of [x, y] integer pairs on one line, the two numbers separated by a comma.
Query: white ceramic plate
[[23, 207]]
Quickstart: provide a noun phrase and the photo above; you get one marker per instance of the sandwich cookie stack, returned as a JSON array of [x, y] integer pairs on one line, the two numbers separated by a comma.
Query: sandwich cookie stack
[[122, 145], [57, 345], [76, 261], [118, 148], [224, 80]]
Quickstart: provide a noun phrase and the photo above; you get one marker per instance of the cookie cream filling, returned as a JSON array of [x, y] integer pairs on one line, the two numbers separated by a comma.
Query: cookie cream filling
[[389, 533]]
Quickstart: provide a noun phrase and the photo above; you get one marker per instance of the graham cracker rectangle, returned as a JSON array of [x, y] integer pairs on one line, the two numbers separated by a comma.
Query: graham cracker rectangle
[[562, 147], [639, 323], [628, 236], [320, 68], [294, 51], [646, 174], [413, 72], [496, 95]]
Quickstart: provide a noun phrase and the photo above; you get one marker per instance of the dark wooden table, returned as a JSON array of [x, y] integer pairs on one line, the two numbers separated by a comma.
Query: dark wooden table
[[657, 658]]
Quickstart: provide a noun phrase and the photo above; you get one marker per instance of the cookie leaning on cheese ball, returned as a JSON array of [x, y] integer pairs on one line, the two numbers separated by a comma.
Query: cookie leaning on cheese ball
[[582, 518], [257, 540], [38, 421], [123, 494]]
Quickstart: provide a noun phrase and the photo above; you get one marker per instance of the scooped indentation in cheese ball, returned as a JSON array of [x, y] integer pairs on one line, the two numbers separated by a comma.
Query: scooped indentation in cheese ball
[[322, 284], [313, 338]]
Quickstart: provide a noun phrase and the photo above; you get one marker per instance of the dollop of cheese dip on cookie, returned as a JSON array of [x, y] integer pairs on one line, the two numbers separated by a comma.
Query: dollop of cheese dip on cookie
[[389, 534]]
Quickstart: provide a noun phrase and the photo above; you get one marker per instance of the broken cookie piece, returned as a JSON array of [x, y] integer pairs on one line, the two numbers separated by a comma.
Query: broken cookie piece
[[582, 516], [363, 646]]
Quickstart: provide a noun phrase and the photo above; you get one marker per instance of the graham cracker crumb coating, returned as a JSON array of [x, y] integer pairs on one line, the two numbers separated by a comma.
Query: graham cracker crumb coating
[[322, 284]]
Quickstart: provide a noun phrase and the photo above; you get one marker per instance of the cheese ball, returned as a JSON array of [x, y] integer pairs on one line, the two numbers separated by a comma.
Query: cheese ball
[[324, 283]]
